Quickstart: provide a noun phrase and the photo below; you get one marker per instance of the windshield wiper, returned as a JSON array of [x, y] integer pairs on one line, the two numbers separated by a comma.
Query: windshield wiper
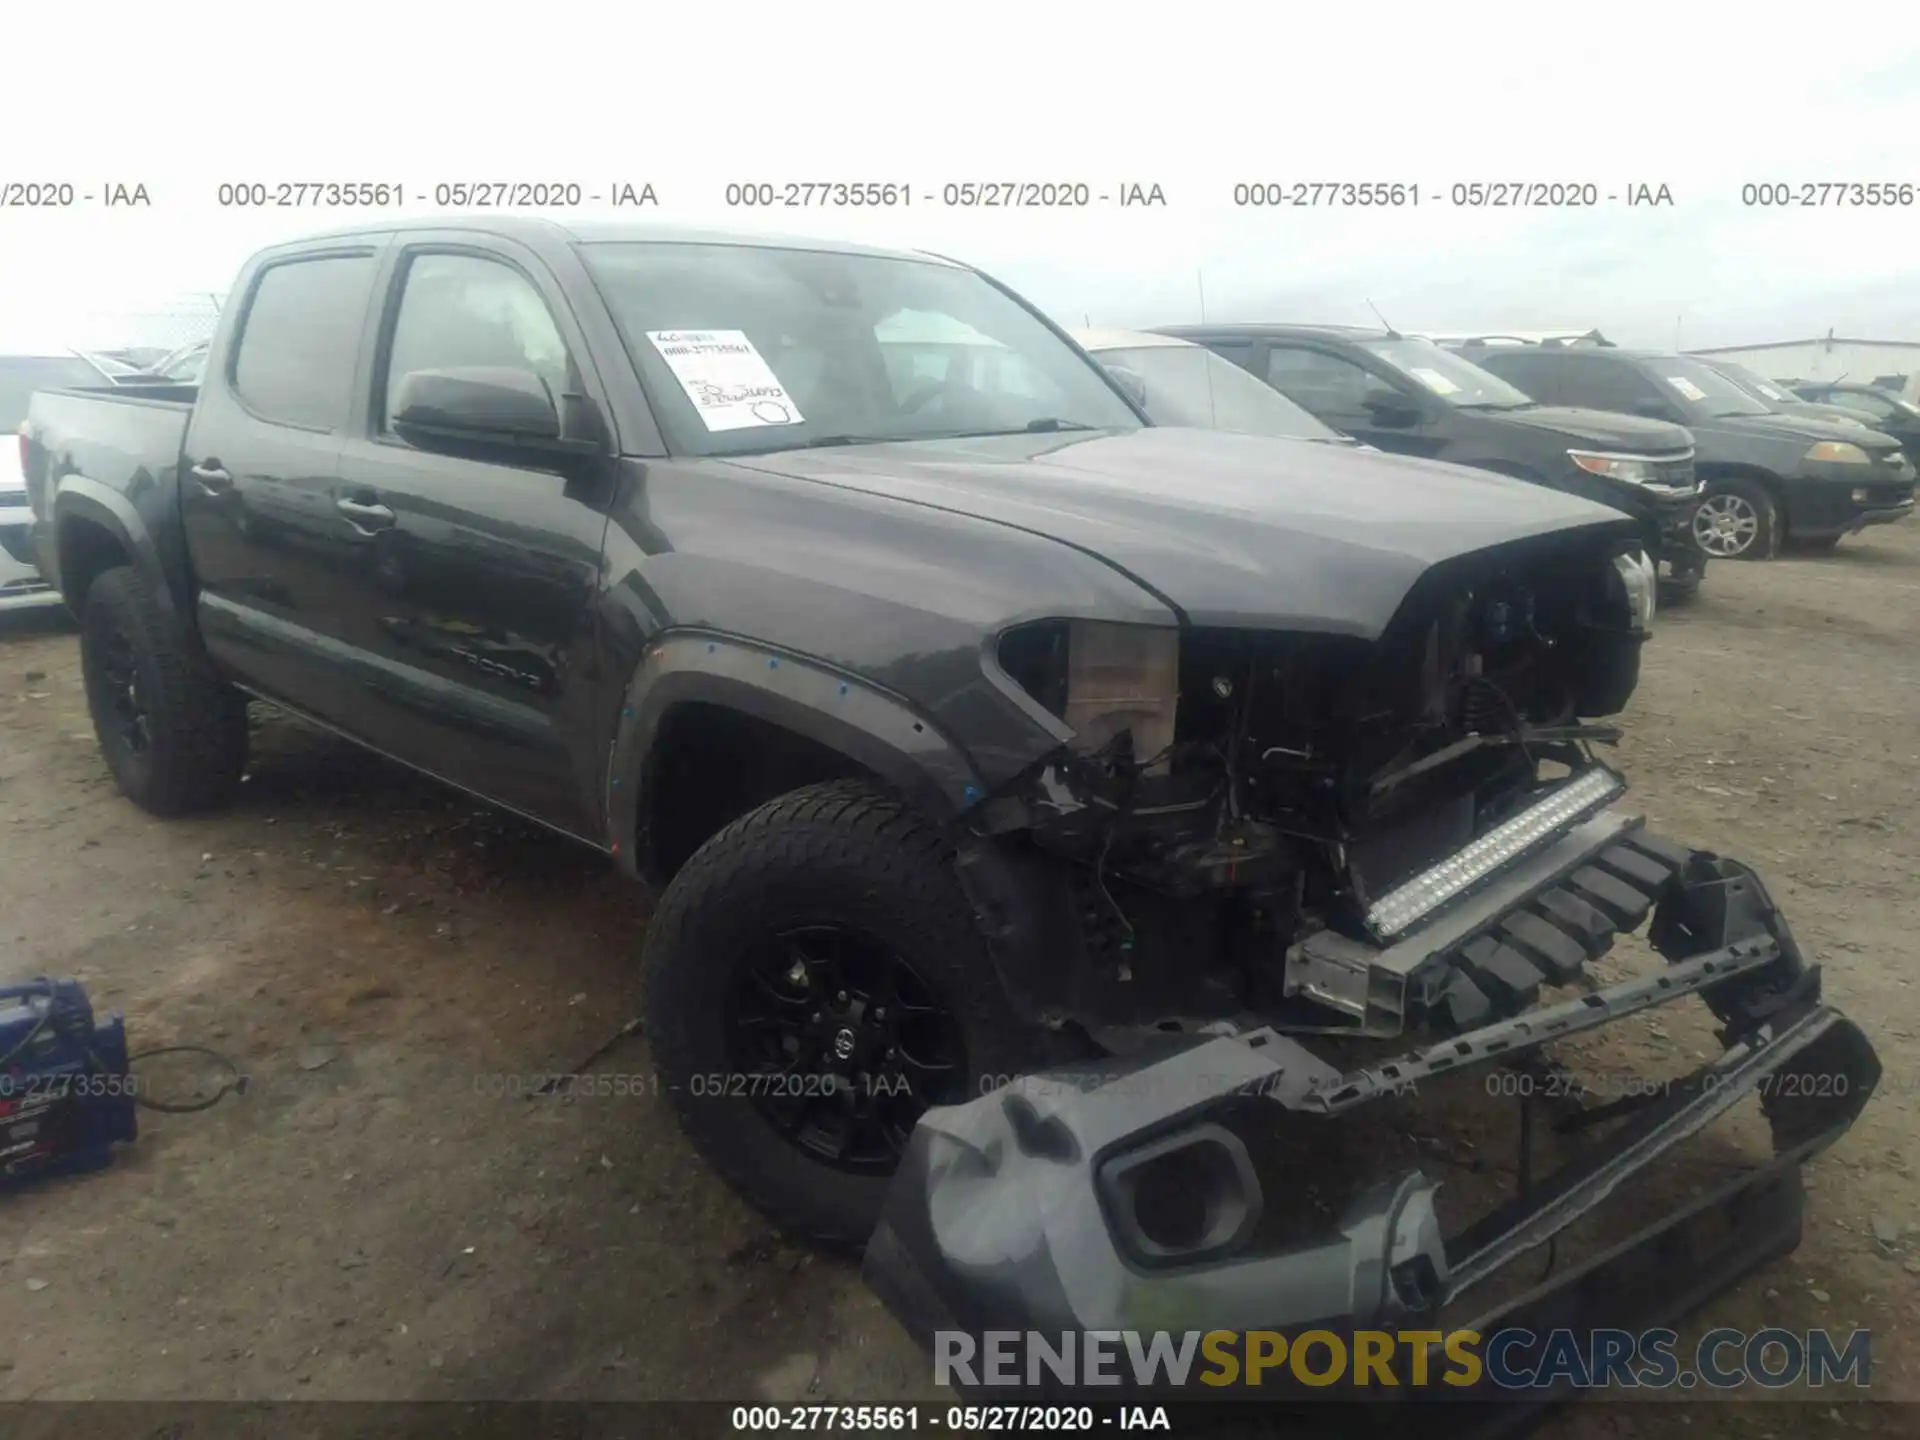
[[1049, 424], [821, 441]]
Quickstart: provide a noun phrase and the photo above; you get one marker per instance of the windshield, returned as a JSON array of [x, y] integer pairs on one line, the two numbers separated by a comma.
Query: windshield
[[21, 375], [1756, 384], [1190, 385], [1456, 381], [1703, 391], [747, 348]]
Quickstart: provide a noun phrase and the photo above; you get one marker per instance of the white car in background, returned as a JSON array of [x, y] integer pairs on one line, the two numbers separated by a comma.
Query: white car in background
[[20, 375], [1180, 383]]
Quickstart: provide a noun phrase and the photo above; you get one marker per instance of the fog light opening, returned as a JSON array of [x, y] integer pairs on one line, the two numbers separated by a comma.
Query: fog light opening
[[1189, 1196]]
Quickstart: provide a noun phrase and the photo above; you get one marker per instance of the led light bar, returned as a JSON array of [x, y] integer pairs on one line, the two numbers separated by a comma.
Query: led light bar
[[1399, 909]]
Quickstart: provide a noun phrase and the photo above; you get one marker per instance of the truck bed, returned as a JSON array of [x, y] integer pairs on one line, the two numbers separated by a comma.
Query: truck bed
[[124, 439]]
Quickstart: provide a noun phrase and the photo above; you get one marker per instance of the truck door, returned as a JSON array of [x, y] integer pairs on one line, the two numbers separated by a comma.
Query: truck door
[[258, 473], [476, 564]]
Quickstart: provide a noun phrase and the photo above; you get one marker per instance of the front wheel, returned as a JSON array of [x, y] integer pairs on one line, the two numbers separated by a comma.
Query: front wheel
[[1736, 521], [814, 981], [171, 731]]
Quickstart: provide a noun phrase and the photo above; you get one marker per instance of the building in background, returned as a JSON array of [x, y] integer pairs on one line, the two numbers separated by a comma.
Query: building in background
[[1893, 365]]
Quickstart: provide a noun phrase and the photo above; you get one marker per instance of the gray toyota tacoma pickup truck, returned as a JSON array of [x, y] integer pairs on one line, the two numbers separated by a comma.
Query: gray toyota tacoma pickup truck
[[971, 725]]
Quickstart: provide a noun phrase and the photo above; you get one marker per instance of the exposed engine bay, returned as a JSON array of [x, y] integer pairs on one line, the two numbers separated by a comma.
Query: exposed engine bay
[[1229, 792]]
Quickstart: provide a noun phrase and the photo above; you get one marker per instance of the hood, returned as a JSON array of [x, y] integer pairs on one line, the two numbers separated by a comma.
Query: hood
[[1801, 428], [1831, 414], [1635, 434], [1229, 529]]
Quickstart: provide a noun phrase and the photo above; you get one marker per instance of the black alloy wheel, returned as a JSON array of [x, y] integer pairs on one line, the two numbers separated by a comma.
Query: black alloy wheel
[[841, 1046]]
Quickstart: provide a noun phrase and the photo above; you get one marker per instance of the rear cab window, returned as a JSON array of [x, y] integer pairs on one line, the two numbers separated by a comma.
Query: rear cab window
[[299, 340]]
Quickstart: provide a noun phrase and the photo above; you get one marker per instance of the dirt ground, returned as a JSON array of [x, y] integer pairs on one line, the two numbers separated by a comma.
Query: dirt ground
[[384, 1215]]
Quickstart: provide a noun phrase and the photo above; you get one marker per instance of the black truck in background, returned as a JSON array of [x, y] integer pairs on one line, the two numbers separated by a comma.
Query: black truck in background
[[1409, 396], [972, 725]]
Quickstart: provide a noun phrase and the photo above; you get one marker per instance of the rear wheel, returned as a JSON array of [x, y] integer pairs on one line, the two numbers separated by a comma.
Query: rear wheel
[[1736, 521], [814, 981], [173, 734]]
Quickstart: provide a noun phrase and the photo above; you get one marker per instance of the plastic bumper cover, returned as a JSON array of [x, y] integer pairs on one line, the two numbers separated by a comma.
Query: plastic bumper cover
[[1020, 1211]]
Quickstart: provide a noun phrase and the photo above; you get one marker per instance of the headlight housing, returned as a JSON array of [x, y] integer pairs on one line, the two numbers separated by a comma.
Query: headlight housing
[[1838, 452], [1637, 470], [1634, 469], [1101, 679], [1639, 577]]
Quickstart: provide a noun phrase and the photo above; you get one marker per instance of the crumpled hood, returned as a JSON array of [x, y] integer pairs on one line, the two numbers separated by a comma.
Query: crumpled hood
[[1232, 530], [1634, 434]]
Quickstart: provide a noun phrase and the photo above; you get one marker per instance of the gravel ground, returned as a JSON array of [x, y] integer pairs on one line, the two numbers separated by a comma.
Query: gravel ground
[[382, 1216]]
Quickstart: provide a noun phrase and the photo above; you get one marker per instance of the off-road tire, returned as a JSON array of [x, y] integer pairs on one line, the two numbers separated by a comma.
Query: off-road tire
[[844, 851], [196, 723]]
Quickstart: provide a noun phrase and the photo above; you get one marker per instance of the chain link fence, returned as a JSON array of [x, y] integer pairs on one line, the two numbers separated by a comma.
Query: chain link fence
[[146, 335]]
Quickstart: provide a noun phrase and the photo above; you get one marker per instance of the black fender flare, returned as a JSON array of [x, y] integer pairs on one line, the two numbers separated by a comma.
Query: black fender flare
[[76, 497], [873, 727]]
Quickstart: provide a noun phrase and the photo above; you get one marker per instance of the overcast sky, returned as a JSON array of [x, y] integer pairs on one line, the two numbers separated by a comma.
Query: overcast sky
[[1193, 97]]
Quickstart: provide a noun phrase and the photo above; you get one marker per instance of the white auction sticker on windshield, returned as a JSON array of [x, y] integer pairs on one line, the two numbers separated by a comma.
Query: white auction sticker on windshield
[[1435, 381], [729, 382], [1686, 387]]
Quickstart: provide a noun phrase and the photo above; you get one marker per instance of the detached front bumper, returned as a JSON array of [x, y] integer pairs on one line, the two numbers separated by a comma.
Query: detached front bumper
[[1138, 1201]]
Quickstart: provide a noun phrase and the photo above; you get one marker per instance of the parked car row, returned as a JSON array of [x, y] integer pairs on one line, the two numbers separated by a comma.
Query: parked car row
[[1714, 460]]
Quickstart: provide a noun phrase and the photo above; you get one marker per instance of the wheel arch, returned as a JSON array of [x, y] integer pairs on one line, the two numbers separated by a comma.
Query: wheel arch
[[712, 725], [95, 530]]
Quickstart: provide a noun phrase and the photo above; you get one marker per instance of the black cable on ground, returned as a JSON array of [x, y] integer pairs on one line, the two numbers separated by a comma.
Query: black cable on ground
[[554, 1082], [236, 1084]]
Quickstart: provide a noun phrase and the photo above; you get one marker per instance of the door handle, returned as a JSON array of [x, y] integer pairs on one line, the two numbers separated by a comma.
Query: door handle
[[212, 476], [364, 515]]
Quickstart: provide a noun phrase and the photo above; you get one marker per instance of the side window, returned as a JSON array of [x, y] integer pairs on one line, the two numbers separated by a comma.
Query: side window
[[1534, 377], [463, 310], [1240, 352], [1602, 385], [301, 338], [1323, 382], [1871, 405]]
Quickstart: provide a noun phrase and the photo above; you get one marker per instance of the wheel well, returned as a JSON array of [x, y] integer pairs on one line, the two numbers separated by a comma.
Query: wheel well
[[87, 549], [708, 766]]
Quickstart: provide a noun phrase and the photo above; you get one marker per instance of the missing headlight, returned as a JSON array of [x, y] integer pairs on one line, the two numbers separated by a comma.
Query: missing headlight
[[1102, 680]]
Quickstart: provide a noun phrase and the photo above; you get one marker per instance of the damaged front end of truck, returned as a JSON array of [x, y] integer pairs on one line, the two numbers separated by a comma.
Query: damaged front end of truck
[[1292, 884]]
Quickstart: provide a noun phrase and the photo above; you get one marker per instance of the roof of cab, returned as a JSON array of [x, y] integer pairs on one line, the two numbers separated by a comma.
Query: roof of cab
[[1091, 340], [539, 230]]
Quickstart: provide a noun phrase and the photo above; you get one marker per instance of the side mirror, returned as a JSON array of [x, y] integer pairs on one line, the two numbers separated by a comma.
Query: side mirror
[[1395, 411], [476, 404], [1129, 381]]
